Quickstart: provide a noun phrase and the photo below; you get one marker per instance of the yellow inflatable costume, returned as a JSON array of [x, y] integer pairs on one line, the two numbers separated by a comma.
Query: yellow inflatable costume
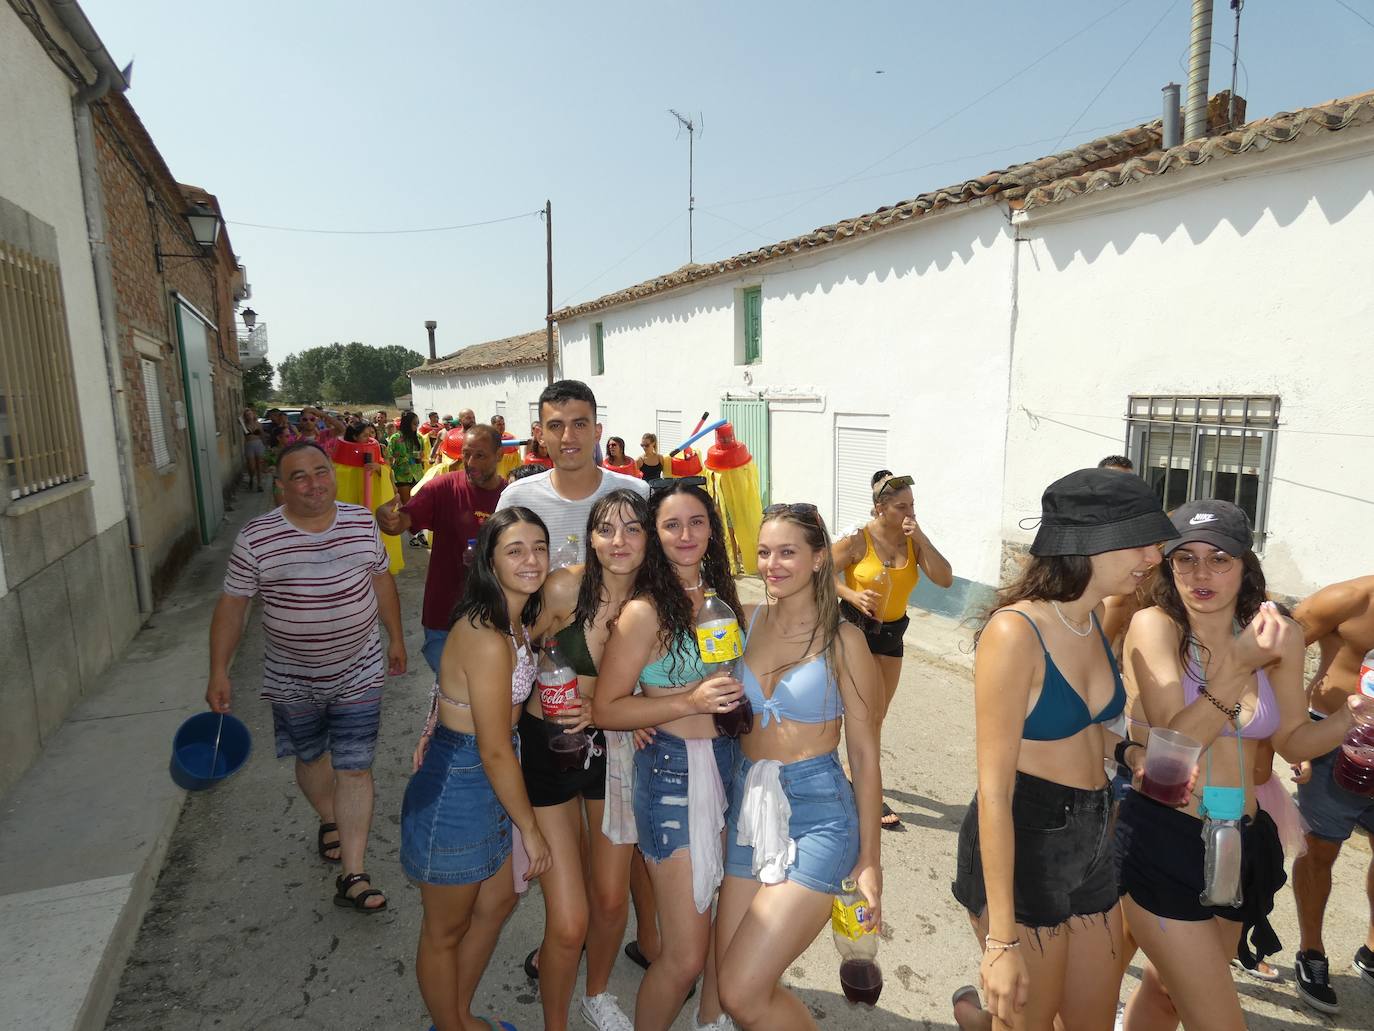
[[732, 479], [351, 477]]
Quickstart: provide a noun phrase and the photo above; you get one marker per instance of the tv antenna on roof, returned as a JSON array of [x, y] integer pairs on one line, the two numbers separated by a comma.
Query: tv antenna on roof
[[692, 127]]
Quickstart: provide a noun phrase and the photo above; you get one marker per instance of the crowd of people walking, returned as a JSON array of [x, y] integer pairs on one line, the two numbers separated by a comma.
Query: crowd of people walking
[[555, 564]]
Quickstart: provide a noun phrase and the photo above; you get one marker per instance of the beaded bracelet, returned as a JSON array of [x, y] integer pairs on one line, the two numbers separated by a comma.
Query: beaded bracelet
[[992, 944]]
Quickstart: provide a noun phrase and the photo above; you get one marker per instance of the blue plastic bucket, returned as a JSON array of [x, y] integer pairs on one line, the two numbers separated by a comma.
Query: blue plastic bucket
[[193, 749]]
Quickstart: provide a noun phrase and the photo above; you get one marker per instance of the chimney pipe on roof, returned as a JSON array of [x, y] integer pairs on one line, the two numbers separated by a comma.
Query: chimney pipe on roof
[[1199, 65], [430, 326], [1172, 131]]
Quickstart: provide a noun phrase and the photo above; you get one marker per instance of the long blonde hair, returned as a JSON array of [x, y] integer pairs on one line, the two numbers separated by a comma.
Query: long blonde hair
[[809, 521]]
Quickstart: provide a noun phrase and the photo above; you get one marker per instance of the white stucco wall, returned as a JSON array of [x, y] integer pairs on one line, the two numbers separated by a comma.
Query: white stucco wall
[[911, 324], [1251, 277], [38, 172], [448, 395]]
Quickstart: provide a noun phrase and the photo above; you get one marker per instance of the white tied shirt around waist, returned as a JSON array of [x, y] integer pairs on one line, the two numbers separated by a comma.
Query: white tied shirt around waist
[[319, 609]]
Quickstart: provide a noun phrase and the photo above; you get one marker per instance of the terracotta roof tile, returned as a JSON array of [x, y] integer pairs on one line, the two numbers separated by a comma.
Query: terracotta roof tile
[[526, 349], [1285, 127], [1009, 183]]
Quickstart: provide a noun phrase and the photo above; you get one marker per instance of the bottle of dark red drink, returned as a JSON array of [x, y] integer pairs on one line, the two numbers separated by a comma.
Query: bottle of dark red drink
[[558, 696], [720, 645], [861, 978], [1354, 769]]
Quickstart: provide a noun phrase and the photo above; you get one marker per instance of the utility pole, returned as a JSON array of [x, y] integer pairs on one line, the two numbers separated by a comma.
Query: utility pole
[[548, 247], [691, 128]]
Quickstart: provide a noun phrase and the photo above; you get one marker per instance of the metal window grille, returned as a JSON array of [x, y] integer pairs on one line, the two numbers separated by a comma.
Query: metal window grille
[[860, 451], [152, 395], [668, 428], [598, 349], [1191, 447], [42, 445]]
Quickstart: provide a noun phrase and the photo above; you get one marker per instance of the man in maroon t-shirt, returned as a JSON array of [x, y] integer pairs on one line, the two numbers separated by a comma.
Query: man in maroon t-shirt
[[454, 505]]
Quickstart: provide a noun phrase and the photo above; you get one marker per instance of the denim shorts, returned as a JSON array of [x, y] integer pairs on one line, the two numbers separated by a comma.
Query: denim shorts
[[1331, 812], [433, 648], [824, 823], [661, 792], [453, 828], [1065, 863], [346, 730]]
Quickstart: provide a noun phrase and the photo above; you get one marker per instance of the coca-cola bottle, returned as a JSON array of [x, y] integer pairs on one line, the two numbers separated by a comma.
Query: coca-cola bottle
[[1354, 769], [720, 644], [558, 696]]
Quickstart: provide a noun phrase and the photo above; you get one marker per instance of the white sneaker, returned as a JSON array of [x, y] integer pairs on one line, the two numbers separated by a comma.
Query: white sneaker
[[603, 1012], [721, 1023]]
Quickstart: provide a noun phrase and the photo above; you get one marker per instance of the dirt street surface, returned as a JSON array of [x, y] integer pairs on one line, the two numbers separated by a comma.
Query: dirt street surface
[[242, 934]]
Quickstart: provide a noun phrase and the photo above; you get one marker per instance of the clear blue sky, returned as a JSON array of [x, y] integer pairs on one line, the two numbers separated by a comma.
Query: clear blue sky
[[351, 115]]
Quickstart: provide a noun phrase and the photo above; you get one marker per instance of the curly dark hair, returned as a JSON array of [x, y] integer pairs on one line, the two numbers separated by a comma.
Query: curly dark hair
[[659, 583], [591, 593], [1045, 578], [1253, 593], [484, 599]]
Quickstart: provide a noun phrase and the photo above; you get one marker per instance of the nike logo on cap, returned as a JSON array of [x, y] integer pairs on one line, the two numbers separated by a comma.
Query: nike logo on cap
[[1202, 517]]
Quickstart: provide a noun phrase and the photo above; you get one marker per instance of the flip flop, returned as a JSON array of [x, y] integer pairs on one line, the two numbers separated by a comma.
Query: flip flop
[[532, 971], [887, 811], [1273, 976]]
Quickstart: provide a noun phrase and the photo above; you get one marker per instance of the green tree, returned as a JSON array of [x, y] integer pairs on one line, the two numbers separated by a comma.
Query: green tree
[[257, 382], [400, 387], [354, 372]]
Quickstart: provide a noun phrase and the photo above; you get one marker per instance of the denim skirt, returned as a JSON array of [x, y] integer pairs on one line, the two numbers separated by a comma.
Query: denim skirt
[[661, 792], [453, 828], [824, 823]]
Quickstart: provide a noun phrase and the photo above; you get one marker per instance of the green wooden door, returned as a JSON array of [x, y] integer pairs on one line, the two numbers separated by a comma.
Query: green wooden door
[[750, 420]]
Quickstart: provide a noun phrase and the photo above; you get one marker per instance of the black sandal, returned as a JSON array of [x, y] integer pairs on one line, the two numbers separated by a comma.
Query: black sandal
[[323, 846], [342, 898], [532, 971], [636, 955], [896, 823]]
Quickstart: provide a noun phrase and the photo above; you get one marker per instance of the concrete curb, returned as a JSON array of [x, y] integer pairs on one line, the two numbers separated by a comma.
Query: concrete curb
[[85, 832]]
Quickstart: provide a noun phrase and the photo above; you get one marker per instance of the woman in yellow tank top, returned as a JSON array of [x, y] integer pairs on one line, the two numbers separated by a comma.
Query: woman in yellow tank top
[[891, 539]]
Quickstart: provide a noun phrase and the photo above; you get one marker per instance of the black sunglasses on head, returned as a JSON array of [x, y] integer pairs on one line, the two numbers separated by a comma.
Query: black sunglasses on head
[[893, 483], [800, 508], [660, 485]]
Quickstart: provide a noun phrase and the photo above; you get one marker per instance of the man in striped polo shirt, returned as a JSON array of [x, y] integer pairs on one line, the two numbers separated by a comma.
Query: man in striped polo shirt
[[321, 571]]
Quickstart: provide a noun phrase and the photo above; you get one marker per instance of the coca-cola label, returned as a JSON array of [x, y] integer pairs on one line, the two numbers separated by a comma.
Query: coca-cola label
[[1367, 675], [561, 696]]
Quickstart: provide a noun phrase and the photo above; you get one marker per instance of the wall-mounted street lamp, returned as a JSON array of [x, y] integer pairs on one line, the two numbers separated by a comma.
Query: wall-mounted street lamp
[[250, 318], [205, 226]]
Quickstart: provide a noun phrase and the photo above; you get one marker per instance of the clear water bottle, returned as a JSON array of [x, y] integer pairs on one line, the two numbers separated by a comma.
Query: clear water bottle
[[881, 585], [559, 696], [720, 644], [860, 976], [565, 554], [470, 553]]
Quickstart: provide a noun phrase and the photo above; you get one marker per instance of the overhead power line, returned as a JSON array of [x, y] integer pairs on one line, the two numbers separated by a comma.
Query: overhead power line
[[943, 121], [386, 232], [1356, 13]]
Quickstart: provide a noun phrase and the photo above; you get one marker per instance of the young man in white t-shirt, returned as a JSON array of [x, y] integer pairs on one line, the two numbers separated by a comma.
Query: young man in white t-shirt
[[564, 495]]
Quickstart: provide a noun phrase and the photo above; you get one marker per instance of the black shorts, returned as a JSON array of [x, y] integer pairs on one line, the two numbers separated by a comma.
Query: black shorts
[[1064, 862], [883, 638], [1160, 853], [544, 782]]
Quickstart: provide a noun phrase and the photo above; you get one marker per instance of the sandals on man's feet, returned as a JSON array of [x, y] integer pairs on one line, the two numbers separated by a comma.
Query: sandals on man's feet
[[358, 901], [324, 847]]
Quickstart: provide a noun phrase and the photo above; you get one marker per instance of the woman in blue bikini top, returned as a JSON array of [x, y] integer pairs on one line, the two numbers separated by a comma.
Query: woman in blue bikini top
[[806, 672]]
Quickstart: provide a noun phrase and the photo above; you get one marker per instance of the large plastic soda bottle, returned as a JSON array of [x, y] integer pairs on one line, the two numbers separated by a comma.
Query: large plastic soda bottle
[[1367, 674], [1354, 769], [720, 643], [860, 976], [565, 554], [558, 695], [881, 585]]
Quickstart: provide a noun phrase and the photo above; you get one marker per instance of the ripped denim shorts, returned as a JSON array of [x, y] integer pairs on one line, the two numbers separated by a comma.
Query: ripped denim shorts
[[661, 792]]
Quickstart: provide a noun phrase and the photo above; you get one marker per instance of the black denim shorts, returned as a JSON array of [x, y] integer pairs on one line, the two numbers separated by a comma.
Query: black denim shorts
[[1064, 861], [545, 783], [1160, 854], [883, 638]]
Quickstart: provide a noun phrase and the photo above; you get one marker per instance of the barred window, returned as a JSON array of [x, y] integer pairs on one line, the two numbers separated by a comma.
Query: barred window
[[40, 441], [1191, 447], [157, 418]]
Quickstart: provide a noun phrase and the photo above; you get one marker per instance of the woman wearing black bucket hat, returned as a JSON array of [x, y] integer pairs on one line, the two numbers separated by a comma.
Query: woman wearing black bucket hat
[[1034, 854], [1215, 661]]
